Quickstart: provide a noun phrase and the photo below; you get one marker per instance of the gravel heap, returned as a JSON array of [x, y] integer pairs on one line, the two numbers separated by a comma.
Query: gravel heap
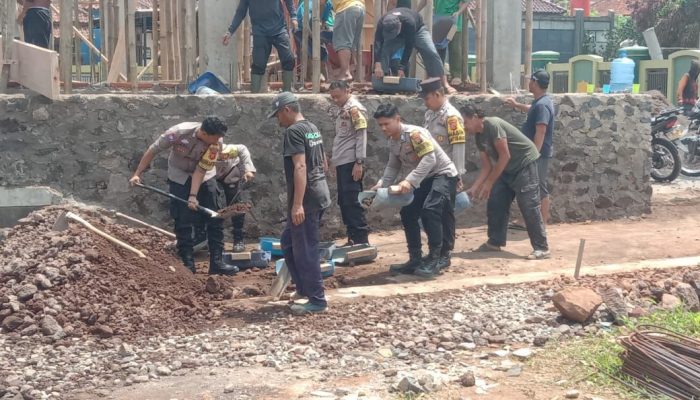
[[62, 284]]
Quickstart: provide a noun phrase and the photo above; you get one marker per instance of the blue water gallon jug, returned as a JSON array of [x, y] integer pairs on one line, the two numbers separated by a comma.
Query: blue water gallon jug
[[622, 74]]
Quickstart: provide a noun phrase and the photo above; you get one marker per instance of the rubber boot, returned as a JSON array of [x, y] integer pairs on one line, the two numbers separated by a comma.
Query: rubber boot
[[445, 260], [218, 267], [287, 80], [429, 266], [188, 262], [256, 83], [409, 267]]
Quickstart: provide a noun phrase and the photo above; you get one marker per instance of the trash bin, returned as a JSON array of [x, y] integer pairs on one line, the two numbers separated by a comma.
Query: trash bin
[[540, 59]]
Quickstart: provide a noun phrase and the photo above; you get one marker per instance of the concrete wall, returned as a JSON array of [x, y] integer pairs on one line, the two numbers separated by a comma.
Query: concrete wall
[[87, 146]]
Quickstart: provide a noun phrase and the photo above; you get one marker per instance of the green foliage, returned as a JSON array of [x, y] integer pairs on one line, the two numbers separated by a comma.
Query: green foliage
[[677, 22], [625, 29]]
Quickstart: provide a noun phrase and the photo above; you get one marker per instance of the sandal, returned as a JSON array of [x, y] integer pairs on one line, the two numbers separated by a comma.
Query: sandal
[[487, 248]]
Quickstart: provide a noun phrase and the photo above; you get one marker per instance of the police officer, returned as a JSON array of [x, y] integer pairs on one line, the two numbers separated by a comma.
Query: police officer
[[233, 169], [433, 180], [349, 153], [194, 149], [444, 122]]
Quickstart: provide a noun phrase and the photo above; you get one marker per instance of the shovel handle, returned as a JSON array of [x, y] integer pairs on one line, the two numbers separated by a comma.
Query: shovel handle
[[112, 239], [205, 210], [146, 224]]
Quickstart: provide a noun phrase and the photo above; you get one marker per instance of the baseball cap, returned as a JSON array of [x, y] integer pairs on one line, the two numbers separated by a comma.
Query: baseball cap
[[391, 26], [541, 77], [281, 100]]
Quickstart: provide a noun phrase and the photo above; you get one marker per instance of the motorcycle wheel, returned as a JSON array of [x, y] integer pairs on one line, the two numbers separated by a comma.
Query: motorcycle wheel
[[690, 154], [665, 161]]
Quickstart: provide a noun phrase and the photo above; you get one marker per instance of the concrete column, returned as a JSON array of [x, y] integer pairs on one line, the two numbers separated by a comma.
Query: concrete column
[[214, 19], [579, 32], [503, 49]]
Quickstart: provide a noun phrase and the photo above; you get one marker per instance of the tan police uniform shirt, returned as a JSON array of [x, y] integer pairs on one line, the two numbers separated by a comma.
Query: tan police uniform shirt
[[416, 149], [447, 127], [350, 142], [186, 152], [234, 161]]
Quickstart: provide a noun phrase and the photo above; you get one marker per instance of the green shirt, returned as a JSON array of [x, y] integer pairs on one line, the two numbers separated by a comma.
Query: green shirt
[[522, 150], [448, 7]]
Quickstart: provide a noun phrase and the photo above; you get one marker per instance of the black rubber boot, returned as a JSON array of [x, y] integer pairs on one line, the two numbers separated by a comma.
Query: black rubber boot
[[189, 263], [218, 267], [409, 267], [444, 261], [429, 266]]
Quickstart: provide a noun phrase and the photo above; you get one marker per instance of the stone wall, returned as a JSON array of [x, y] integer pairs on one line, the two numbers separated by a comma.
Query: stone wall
[[86, 146]]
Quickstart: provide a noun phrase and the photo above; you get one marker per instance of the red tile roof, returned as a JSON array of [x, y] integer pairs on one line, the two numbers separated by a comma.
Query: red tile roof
[[538, 6], [603, 6]]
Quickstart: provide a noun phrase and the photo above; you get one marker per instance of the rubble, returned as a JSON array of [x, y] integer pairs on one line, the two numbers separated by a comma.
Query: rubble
[[577, 304]]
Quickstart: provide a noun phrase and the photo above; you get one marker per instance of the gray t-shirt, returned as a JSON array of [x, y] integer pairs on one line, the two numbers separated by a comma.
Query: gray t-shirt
[[522, 150], [303, 137], [541, 112]]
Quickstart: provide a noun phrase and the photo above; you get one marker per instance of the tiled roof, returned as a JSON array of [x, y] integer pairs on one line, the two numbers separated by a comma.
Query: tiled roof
[[603, 6], [538, 7]]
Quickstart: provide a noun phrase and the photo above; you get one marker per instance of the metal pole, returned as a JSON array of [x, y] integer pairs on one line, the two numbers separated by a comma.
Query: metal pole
[[528, 41], [316, 47], [66, 45]]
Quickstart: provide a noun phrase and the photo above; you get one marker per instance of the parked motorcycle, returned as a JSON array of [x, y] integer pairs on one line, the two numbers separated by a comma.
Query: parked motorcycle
[[689, 144], [665, 160]]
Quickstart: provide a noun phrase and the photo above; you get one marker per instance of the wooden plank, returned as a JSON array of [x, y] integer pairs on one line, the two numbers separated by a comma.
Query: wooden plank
[[155, 37], [36, 68], [118, 58], [247, 51], [316, 47], [132, 61], [66, 44]]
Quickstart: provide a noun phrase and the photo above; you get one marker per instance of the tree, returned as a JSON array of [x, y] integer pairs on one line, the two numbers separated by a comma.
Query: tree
[[677, 22], [625, 28]]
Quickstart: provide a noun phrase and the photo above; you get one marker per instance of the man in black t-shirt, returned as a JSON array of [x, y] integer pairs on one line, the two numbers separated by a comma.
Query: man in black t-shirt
[[307, 198]]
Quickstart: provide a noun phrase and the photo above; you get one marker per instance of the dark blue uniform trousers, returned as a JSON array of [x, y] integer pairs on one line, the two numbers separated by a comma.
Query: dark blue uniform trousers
[[300, 248]]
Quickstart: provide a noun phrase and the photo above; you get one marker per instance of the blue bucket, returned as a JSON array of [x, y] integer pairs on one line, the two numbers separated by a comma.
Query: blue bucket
[[210, 80]]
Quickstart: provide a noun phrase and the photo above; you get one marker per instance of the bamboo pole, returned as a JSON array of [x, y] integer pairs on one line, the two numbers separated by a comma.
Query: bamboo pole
[[115, 26], [91, 59], [66, 45], [103, 37], [165, 44], [412, 68], [176, 40], [465, 47], [132, 64], [182, 40], [78, 62], [190, 36], [305, 42], [359, 61], [482, 44], [155, 38], [528, 41], [7, 20], [316, 47], [172, 54], [246, 50]]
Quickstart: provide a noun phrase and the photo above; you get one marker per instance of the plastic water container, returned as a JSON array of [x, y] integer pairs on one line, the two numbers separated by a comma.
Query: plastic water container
[[622, 74], [462, 202]]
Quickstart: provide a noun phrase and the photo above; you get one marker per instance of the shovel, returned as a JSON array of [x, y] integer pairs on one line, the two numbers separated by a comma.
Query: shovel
[[61, 224], [143, 223], [207, 211]]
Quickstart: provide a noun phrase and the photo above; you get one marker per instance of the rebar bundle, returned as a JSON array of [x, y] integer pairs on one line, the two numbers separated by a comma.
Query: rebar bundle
[[662, 363]]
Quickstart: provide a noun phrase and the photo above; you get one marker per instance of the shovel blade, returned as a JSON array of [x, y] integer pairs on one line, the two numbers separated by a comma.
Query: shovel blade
[[61, 223], [281, 282]]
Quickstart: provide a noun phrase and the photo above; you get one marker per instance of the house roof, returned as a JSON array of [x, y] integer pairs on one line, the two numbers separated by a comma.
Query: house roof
[[538, 7], [602, 7]]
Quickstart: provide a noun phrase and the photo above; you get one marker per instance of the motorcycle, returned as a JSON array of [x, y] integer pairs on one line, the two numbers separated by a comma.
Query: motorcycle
[[689, 144], [665, 160]]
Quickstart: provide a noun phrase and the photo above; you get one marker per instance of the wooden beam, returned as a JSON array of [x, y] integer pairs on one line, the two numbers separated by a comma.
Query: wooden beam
[[143, 71], [465, 47], [165, 42], [316, 47], [91, 59], [246, 50], [118, 58], [103, 37], [78, 62], [484, 32], [66, 45], [528, 41], [7, 20], [305, 25], [190, 36], [132, 62], [155, 37], [182, 33]]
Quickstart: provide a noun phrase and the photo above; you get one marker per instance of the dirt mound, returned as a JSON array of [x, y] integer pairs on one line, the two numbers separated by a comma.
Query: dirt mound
[[73, 282]]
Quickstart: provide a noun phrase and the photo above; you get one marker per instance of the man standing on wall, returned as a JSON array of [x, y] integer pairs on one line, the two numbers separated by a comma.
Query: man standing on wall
[[453, 9], [402, 27], [36, 22], [349, 21], [444, 122], [269, 29], [307, 198], [508, 172], [194, 149], [349, 153], [539, 127], [433, 180]]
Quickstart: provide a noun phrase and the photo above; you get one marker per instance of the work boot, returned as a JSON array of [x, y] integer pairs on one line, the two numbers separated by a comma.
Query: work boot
[[429, 266], [444, 261], [287, 80], [200, 240], [256, 83], [407, 268], [217, 265], [188, 262], [238, 246]]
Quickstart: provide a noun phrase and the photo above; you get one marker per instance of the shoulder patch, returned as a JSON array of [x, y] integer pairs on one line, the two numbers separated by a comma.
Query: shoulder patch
[[358, 120], [209, 158], [229, 152], [421, 145], [455, 130]]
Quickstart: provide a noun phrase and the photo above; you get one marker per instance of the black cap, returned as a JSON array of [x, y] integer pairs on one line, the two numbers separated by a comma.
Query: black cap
[[541, 77], [430, 85], [281, 100], [391, 26]]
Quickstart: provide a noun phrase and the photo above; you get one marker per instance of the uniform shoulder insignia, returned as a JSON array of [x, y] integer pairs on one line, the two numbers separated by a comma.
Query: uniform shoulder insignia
[[209, 158], [455, 130], [421, 145], [229, 152], [358, 120]]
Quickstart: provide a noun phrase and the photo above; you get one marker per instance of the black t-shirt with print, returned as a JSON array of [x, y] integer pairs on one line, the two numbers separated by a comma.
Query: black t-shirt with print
[[303, 137]]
